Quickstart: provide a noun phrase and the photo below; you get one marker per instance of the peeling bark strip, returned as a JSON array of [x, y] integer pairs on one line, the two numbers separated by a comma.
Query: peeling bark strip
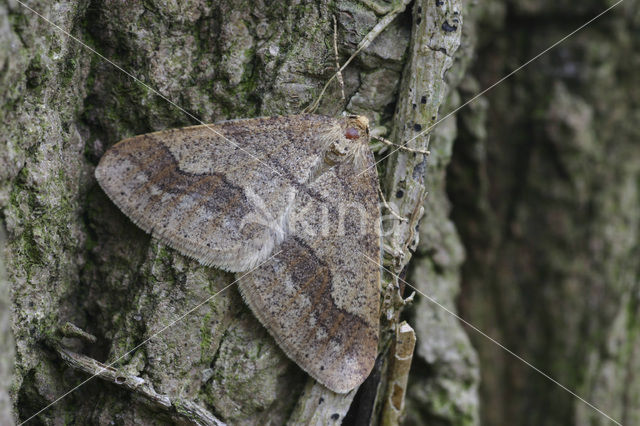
[[421, 93], [403, 347], [221, 60], [178, 409]]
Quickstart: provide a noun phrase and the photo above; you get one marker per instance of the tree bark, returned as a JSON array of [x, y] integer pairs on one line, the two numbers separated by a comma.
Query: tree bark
[[6, 341], [72, 257], [545, 189], [540, 236]]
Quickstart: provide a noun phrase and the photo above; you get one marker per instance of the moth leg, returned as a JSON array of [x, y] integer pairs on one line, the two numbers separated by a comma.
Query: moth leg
[[400, 147]]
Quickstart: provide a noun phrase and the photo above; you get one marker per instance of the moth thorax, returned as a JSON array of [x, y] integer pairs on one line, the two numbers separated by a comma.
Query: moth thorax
[[339, 151], [354, 136]]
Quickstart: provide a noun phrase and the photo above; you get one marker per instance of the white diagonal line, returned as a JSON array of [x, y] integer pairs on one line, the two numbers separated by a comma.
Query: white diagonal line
[[145, 85], [428, 129], [509, 351], [237, 146], [171, 324]]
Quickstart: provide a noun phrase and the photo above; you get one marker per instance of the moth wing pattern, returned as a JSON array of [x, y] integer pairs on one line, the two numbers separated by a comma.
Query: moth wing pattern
[[230, 201], [221, 200], [319, 297]]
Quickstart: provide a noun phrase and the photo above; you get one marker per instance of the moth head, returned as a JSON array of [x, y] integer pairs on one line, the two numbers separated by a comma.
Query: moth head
[[353, 138]]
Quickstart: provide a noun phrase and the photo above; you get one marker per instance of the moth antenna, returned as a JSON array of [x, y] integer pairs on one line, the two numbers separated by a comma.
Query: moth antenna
[[366, 41], [388, 207], [335, 50], [402, 147]]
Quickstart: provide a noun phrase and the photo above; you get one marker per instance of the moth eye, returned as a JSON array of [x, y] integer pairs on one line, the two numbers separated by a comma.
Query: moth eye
[[352, 133]]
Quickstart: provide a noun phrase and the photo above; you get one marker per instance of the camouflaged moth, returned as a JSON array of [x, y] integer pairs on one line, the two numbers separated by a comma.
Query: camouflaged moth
[[234, 193]]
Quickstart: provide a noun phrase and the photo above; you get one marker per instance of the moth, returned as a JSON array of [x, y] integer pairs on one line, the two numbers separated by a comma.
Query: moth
[[293, 202]]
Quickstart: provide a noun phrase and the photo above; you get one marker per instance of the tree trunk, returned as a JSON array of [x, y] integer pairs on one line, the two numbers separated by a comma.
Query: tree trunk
[[545, 184], [540, 236], [72, 257]]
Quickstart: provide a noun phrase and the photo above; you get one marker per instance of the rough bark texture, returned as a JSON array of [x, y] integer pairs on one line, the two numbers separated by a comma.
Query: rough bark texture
[[72, 256], [545, 185], [444, 377], [6, 341]]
